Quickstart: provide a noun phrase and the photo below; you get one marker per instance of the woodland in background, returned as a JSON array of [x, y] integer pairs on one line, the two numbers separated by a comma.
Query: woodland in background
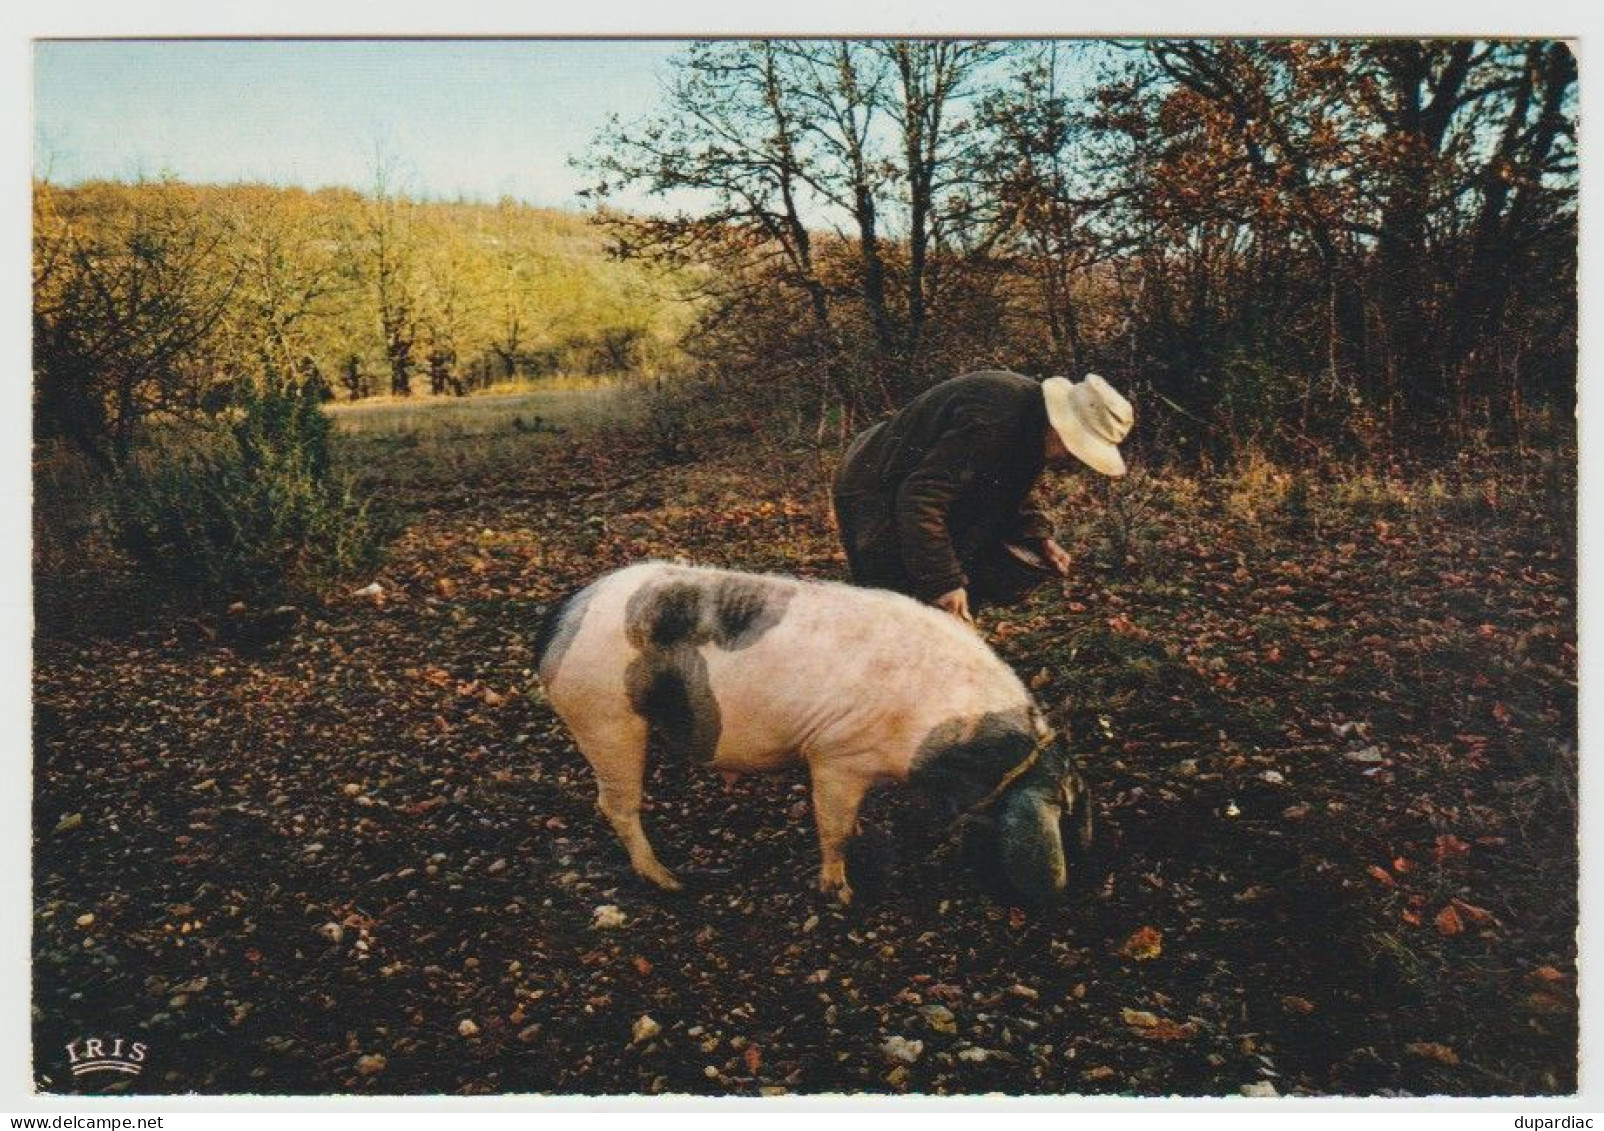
[[160, 300], [1265, 241]]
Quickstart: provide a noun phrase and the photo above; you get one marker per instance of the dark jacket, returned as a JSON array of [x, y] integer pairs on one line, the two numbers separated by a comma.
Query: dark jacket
[[924, 494]]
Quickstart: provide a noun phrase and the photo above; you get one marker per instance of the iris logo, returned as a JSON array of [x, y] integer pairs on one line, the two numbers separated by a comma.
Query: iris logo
[[97, 1054]]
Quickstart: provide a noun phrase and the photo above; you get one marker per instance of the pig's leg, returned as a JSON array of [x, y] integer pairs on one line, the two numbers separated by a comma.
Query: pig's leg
[[836, 797], [618, 755]]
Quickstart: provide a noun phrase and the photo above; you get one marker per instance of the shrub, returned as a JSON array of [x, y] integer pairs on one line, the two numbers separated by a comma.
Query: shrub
[[676, 412], [1256, 487], [1127, 520], [250, 510]]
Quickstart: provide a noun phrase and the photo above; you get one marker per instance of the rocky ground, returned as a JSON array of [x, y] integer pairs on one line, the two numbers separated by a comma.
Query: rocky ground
[[1330, 721]]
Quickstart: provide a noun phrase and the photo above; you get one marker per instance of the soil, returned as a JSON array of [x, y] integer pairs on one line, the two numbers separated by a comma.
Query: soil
[[1332, 745]]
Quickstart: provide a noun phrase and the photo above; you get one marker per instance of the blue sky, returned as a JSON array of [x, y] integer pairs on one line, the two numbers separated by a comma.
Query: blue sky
[[481, 119]]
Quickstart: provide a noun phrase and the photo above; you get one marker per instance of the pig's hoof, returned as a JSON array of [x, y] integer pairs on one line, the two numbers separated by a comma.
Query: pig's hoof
[[663, 879], [839, 888]]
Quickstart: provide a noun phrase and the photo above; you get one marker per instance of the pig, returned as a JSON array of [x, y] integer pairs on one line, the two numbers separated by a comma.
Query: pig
[[752, 673]]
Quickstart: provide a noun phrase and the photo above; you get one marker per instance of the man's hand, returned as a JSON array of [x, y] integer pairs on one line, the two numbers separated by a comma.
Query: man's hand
[[1057, 557], [955, 602]]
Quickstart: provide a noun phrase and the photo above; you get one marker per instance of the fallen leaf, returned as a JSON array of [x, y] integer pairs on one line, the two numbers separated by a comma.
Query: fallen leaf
[[1145, 943], [1477, 915], [1138, 1018], [1547, 1001], [1381, 876], [1449, 847], [1167, 1030], [1294, 1004], [1448, 922], [899, 1049], [1432, 1050]]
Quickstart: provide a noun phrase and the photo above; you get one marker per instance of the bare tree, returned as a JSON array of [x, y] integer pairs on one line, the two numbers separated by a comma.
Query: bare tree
[[288, 259], [1035, 203], [787, 143], [127, 296], [936, 82], [1408, 177], [730, 136], [390, 260]]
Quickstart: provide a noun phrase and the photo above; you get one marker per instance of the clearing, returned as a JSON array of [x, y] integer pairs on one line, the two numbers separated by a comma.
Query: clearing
[[1330, 720]]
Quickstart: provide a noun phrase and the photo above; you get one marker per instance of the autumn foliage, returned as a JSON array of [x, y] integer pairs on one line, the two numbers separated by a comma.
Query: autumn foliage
[[1269, 242]]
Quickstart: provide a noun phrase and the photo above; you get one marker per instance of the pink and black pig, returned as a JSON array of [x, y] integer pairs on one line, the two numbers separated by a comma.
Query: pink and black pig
[[748, 673]]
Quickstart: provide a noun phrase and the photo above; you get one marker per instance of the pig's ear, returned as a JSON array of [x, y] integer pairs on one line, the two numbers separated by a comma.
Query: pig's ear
[[1032, 848]]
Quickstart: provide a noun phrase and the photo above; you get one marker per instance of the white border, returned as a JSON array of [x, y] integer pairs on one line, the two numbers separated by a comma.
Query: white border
[[430, 19]]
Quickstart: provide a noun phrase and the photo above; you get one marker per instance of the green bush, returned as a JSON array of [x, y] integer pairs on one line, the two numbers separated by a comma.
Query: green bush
[[250, 510]]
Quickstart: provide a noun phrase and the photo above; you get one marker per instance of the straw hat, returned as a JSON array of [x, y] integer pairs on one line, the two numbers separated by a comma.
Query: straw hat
[[1091, 418]]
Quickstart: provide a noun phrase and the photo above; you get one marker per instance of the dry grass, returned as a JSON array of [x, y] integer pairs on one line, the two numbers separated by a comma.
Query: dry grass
[[413, 448], [561, 404]]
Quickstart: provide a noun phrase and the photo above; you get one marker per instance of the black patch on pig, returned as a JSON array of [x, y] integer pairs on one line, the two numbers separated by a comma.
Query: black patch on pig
[[665, 615], [980, 849], [745, 608], [1031, 845], [670, 690], [961, 760], [731, 612], [558, 626], [1018, 849], [668, 620]]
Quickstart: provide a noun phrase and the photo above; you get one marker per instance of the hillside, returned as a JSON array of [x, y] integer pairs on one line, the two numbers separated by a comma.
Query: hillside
[[461, 293]]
